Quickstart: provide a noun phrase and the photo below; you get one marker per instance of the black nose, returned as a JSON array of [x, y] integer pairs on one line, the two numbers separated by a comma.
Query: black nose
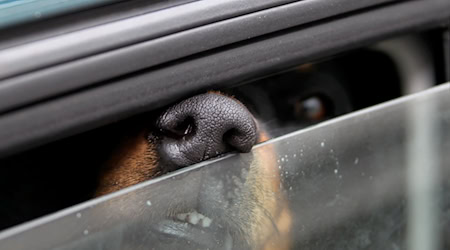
[[202, 127]]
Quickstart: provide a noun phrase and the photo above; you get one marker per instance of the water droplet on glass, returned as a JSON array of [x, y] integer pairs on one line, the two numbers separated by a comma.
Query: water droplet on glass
[[78, 215], [149, 203], [85, 232]]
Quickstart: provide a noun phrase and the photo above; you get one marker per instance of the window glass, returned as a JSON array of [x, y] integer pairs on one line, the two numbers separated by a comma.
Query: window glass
[[373, 179], [18, 11]]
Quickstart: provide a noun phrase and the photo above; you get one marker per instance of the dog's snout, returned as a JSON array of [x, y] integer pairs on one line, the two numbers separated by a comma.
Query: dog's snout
[[203, 127]]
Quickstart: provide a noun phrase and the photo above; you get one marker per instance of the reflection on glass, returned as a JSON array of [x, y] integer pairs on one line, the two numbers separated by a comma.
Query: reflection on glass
[[18, 11], [368, 180]]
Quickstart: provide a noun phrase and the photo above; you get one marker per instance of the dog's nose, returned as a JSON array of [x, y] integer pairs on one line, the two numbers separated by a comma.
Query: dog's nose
[[202, 127]]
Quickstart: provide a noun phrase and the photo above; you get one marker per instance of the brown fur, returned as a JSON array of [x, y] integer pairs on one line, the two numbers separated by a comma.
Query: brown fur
[[134, 161], [266, 179]]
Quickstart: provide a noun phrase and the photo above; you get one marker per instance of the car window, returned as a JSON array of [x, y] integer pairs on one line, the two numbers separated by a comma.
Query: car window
[[373, 179]]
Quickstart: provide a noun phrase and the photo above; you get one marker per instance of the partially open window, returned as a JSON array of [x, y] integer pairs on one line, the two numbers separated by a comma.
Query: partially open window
[[342, 180]]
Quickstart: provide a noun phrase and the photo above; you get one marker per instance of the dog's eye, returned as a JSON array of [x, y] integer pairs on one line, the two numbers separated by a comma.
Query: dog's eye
[[314, 108]]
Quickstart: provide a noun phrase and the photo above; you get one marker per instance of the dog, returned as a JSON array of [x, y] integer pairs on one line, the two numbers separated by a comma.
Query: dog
[[197, 129], [209, 125]]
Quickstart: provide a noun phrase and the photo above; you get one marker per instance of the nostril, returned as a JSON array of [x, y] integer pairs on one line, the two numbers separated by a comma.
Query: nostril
[[179, 129], [239, 140]]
